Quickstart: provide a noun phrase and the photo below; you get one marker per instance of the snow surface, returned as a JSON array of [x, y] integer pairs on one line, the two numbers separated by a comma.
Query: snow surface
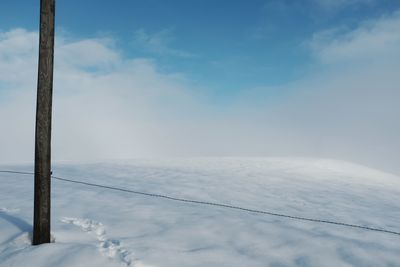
[[100, 227]]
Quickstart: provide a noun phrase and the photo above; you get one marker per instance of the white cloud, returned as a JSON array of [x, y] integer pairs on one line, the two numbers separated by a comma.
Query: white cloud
[[346, 108], [17, 49], [86, 53], [374, 40], [159, 43], [104, 106], [335, 4], [108, 106]]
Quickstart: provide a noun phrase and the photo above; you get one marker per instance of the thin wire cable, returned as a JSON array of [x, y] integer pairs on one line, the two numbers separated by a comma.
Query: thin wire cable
[[215, 204]]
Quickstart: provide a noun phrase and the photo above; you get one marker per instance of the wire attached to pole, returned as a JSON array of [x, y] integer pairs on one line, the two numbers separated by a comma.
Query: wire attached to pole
[[216, 204]]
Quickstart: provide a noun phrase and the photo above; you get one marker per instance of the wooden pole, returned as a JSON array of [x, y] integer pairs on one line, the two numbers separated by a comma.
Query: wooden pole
[[41, 217]]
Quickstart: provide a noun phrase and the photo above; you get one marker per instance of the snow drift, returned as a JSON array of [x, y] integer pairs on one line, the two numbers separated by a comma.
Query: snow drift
[[100, 227]]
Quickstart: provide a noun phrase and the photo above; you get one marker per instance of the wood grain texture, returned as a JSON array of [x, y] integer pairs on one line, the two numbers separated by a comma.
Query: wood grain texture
[[41, 220]]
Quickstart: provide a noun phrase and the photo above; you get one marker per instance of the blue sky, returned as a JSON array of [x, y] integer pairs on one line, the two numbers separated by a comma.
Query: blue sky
[[224, 46], [148, 78]]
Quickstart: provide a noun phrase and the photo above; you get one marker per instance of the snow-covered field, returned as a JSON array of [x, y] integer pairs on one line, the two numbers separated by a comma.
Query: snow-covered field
[[100, 227]]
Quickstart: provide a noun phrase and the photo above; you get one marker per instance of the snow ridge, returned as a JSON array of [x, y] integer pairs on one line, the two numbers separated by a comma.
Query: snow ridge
[[111, 248], [8, 210]]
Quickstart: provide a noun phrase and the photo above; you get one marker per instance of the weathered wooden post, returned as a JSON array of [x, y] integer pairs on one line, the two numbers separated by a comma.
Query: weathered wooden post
[[41, 217]]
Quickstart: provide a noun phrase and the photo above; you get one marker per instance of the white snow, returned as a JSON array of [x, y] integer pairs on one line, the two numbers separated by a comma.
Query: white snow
[[100, 227]]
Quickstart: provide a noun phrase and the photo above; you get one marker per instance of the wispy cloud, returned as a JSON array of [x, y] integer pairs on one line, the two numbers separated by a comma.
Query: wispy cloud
[[338, 4], [111, 106], [104, 105], [372, 40], [16, 52], [86, 53], [159, 43]]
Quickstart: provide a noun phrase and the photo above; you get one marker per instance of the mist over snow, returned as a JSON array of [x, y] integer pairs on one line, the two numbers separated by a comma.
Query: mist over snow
[[109, 106]]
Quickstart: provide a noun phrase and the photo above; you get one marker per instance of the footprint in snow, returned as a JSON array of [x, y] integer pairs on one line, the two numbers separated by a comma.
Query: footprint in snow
[[111, 248]]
